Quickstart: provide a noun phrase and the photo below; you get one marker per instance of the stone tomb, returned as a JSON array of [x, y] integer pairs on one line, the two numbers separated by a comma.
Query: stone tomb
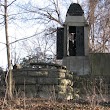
[[45, 81]]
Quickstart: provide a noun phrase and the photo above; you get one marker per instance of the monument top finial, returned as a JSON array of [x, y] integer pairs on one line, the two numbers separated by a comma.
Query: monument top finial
[[75, 10]]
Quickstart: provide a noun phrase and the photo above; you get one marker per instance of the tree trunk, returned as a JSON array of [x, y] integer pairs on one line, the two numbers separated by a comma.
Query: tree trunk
[[8, 52]]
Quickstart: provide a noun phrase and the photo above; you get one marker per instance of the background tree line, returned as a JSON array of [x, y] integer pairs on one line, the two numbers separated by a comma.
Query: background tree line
[[44, 18]]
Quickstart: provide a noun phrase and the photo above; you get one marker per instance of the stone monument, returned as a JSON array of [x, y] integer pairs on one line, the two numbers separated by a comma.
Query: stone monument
[[72, 41]]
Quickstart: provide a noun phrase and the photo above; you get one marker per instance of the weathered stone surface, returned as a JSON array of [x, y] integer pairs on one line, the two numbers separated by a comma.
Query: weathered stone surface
[[26, 90], [19, 73], [78, 64], [47, 95], [2, 90], [67, 96], [46, 88], [54, 81], [38, 73], [58, 70], [42, 82], [55, 88], [100, 64], [48, 81], [56, 74], [65, 82], [55, 96], [17, 66], [69, 76], [25, 80]]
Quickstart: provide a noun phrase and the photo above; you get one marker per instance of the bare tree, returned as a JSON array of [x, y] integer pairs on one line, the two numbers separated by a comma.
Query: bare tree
[[5, 5], [8, 50], [49, 17], [91, 19], [98, 19]]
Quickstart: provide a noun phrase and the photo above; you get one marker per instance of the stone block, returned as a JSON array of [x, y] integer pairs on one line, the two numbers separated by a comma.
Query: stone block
[[55, 88], [47, 88], [44, 83], [69, 76], [100, 64], [56, 74], [47, 95], [54, 81], [48, 81], [38, 73], [24, 80], [66, 82], [26, 90], [66, 96], [77, 64], [19, 73], [54, 96]]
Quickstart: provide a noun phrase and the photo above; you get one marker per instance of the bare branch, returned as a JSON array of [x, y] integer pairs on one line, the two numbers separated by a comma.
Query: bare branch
[[26, 38], [11, 3], [3, 43]]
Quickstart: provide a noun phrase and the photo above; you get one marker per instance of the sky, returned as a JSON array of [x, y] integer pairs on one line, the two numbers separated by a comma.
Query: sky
[[17, 30]]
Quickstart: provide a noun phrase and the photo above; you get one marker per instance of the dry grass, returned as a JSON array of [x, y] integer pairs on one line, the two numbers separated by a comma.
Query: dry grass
[[43, 104]]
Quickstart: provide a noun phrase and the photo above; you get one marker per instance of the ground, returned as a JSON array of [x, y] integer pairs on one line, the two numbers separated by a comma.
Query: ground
[[43, 104]]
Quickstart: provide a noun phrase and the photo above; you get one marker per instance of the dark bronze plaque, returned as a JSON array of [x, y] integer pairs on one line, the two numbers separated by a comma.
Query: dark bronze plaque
[[79, 41], [60, 43]]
